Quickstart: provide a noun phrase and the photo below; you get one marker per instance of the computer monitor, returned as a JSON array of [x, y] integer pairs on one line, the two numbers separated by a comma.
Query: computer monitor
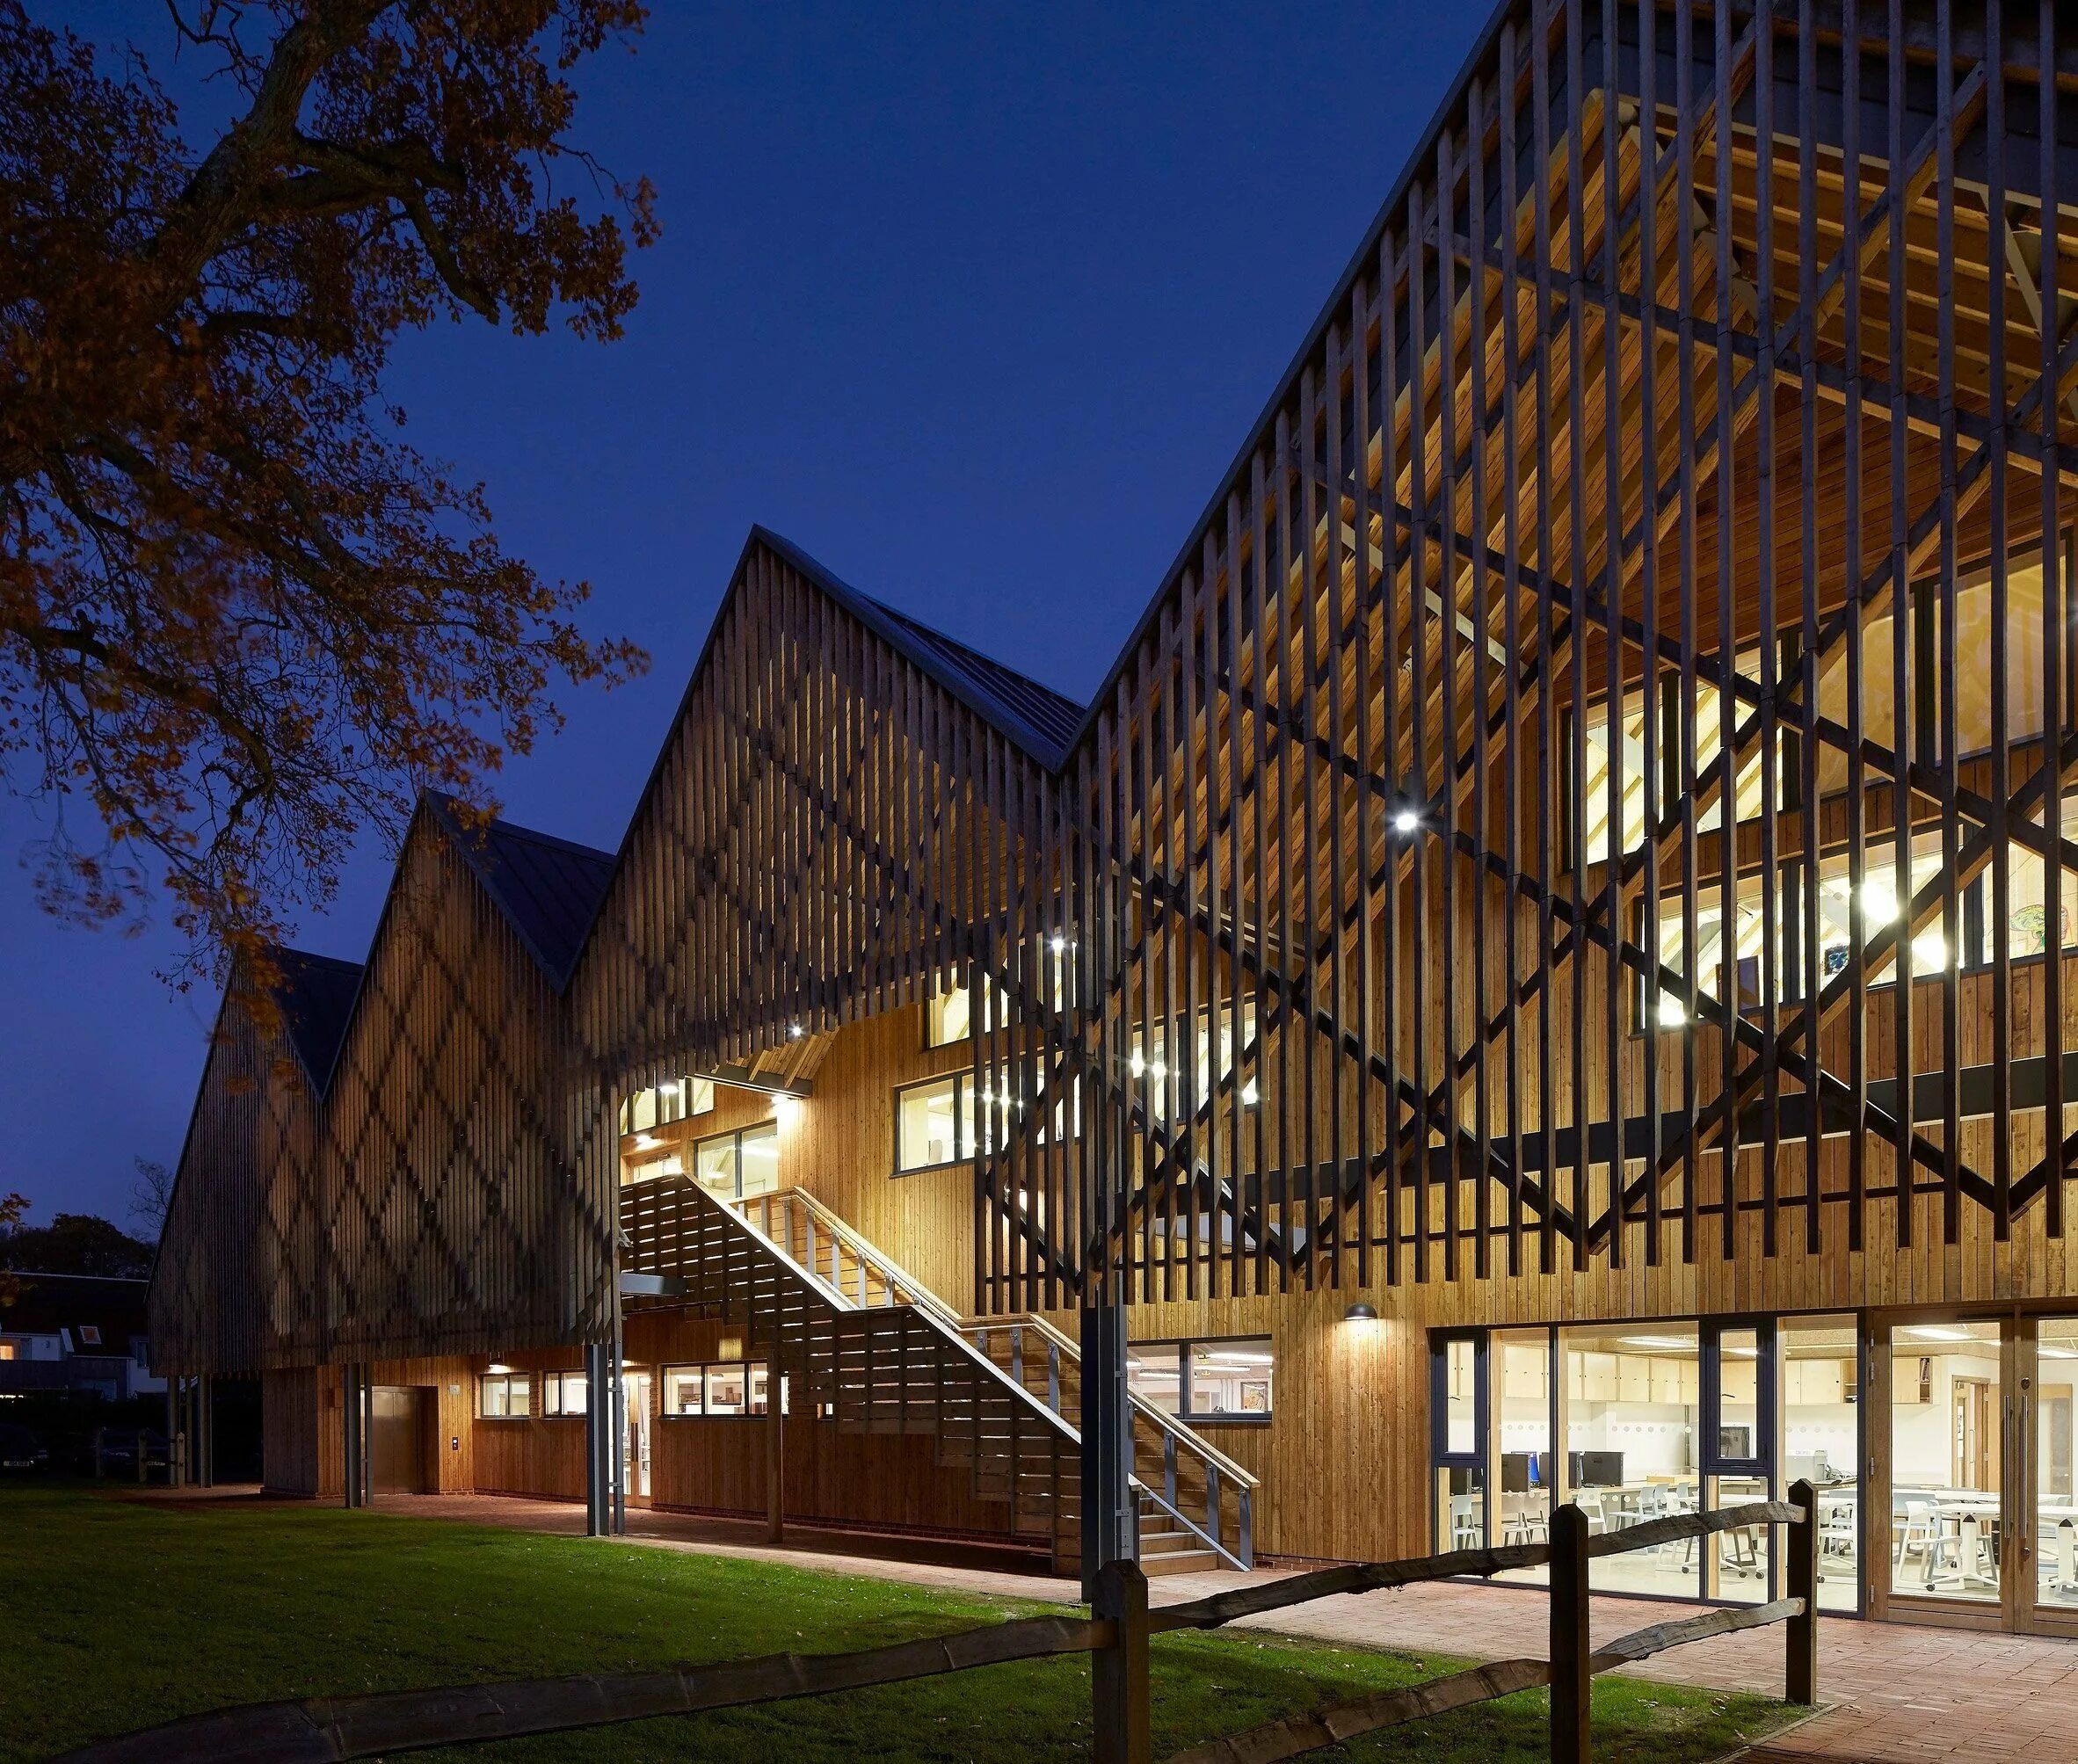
[[1515, 1473], [1596, 1470]]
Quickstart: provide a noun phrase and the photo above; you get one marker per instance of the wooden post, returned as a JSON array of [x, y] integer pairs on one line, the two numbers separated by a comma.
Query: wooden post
[[1571, 1681], [1118, 1674], [775, 1451], [1800, 1669]]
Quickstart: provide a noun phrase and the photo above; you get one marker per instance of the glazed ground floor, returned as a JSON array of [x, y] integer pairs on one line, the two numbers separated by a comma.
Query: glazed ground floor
[[1941, 1438]]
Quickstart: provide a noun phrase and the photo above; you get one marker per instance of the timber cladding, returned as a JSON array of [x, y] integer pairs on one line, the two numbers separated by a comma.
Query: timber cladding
[[1583, 828]]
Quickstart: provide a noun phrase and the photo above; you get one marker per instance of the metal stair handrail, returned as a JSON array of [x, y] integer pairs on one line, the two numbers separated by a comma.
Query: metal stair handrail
[[1175, 1438]]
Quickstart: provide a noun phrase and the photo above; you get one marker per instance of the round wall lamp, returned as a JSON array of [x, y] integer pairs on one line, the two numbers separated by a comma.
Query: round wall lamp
[[1361, 1312]]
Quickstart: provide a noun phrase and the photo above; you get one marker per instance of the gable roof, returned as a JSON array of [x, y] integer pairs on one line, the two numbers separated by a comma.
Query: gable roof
[[317, 1002], [1040, 719], [550, 889]]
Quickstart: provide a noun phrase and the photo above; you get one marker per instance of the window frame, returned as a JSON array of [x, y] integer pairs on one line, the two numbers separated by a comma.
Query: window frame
[[553, 1386], [485, 1380], [736, 1135], [752, 1370], [1217, 1418], [959, 1078]]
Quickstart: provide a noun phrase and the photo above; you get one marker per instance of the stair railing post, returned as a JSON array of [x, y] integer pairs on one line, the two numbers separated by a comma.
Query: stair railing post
[[1118, 1674], [1800, 1669], [1244, 1526], [1571, 1648]]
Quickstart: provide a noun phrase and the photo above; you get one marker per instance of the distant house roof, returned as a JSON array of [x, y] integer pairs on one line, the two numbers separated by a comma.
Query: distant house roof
[[316, 999], [112, 1308], [550, 889], [1041, 720]]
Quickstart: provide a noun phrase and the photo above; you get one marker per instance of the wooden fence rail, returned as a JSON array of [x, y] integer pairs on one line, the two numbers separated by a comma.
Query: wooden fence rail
[[326, 1730]]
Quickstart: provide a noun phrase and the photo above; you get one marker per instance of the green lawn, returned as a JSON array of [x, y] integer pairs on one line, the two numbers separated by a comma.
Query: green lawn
[[117, 1614]]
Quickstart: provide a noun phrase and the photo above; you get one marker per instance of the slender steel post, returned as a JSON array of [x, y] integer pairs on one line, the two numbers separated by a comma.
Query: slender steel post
[[599, 1439], [1571, 1681], [1109, 1533]]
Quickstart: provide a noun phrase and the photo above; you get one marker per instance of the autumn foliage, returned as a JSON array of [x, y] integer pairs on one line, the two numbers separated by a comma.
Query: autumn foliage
[[241, 618]]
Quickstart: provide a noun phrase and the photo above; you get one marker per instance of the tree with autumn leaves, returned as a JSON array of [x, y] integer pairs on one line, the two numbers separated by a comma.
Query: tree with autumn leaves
[[241, 617]]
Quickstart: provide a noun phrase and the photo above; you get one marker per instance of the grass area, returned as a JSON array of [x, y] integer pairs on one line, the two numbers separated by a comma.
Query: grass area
[[119, 1614]]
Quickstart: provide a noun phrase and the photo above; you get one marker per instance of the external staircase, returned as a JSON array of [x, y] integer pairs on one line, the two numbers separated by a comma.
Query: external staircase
[[877, 1352]]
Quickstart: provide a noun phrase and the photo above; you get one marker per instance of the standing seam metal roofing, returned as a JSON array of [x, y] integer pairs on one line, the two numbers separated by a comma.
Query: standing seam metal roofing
[[548, 888]]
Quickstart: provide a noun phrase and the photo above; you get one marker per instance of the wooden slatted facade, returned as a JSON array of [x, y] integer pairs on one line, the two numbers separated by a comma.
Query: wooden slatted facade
[[1584, 829]]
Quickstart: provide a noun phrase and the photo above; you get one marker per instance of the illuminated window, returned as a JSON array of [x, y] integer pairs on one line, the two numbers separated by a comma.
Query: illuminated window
[[674, 1100], [934, 1121], [505, 1395], [1162, 1080], [563, 1393], [1223, 1381], [950, 1017], [682, 1386], [731, 1165]]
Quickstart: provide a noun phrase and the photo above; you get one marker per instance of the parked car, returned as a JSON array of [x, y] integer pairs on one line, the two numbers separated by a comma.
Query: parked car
[[20, 1449]]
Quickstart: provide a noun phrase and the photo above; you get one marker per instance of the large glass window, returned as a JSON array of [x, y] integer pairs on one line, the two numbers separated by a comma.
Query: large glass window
[[1519, 1363], [1821, 1444], [934, 1121], [1633, 1397], [505, 1395], [1946, 1470], [732, 1166], [2056, 1477]]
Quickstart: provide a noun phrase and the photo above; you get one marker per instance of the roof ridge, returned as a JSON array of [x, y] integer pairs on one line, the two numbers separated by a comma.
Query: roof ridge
[[962, 644]]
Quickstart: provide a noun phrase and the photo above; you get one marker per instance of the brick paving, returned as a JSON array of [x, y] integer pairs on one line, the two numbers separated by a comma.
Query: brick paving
[[1895, 1693]]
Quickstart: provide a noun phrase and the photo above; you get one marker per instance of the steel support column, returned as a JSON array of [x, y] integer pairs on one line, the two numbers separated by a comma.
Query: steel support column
[[1110, 1531], [602, 1438]]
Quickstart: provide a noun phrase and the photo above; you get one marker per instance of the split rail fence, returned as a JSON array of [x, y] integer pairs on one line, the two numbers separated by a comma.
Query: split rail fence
[[325, 1731]]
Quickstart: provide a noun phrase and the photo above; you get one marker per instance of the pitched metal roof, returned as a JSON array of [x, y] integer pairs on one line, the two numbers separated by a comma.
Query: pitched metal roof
[[1040, 719], [1015, 696], [316, 1000], [550, 889]]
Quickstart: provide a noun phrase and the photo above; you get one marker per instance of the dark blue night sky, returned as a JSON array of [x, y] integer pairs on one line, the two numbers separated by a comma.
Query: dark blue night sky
[[974, 303]]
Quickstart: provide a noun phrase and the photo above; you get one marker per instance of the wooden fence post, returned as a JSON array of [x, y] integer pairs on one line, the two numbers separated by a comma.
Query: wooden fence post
[[1571, 1647], [1800, 1669], [1118, 1674]]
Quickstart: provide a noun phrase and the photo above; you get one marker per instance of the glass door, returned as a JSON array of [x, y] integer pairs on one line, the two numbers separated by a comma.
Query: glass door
[[1948, 1429], [1740, 1404], [1457, 1439], [635, 1439], [2047, 1428]]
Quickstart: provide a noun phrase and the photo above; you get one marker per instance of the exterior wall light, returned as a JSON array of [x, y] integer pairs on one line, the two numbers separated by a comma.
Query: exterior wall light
[[794, 1032], [786, 1110], [1361, 1312], [1406, 820]]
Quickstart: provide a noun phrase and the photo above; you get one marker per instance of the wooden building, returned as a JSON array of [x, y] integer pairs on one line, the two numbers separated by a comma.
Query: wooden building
[[1543, 973]]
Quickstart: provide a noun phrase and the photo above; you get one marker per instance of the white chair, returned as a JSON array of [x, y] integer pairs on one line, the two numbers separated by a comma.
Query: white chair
[[1465, 1532]]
